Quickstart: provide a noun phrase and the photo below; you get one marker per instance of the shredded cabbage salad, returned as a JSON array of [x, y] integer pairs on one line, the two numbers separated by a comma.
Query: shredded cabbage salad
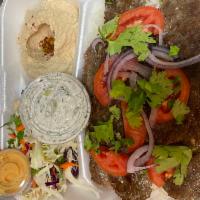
[[48, 162]]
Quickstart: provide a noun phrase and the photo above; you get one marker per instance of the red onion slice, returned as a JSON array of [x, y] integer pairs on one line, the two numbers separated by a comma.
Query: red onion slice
[[133, 77], [143, 154], [152, 60], [161, 55], [96, 42], [142, 160], [137, 67], [121, 64], [152, 117], [106, 65], [160, 48], [117, 64], [131, 168]]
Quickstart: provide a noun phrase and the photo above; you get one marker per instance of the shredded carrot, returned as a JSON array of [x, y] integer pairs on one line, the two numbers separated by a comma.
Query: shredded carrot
[[23, 149], [22, 141], [20, 128], [12, 135], [33, 184], [67, 165]]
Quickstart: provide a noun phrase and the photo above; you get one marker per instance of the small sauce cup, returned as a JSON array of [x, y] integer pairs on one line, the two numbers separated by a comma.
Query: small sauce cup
[[15, 172]]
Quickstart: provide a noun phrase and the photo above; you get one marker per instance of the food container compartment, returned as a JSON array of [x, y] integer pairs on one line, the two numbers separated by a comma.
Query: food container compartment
[[13, 79]]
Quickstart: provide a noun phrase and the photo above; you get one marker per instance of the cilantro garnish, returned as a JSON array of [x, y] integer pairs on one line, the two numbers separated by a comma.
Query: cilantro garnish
[[15, 119], [133, 37], [179, 110], [134, 119], [115, 112], [109, 28], [153, 91], [174, 50], [11, 143], [177, 157], [103, 134], [157, 89], [134, 98], [20, 135], [120, 90]]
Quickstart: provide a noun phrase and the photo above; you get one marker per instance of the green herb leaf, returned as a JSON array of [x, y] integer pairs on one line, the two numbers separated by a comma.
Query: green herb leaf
[[174, 50], [134, 98], [103, 134], [134, 119], [11, 143], [177, 157], [34, 171], [133, 37], [15, 119], [157, 89], [115, 112], [179, 110], [120, 90], [20, 135], [60, 160], [136, 101], [109, 27], [87, 142], [118, 144]]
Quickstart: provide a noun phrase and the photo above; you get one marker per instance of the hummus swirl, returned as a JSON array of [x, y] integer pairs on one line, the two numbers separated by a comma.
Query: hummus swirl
[[49, 36], [14, 171]]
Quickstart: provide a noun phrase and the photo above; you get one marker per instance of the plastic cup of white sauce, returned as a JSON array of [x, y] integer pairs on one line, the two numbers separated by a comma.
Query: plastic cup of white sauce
[[55, 108]]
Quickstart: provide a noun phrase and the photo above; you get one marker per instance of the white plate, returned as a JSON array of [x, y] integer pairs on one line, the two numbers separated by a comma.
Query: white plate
[[13, 80]]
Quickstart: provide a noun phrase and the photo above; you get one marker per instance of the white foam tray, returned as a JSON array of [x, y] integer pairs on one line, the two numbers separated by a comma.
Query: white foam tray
[[13, 80]]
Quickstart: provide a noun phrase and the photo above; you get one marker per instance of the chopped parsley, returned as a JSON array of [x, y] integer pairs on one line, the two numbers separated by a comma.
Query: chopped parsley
[[109, 28], [179, 110], [115, 112], [157, 88], [177, 157], [153, 91], [133, 37], [174, 50], [103, 134], [120, 90], [134, 98]]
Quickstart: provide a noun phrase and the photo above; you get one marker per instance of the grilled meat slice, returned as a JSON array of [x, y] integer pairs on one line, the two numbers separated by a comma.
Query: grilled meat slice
[[115, 7], [182, 25], [185, 35], [132, 187]]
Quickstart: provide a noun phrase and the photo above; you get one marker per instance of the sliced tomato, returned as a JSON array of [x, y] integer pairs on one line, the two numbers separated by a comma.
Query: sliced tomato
[[163, 115], [156, 178], [113, 163], [100, 88], [142, 15], [138, 135]]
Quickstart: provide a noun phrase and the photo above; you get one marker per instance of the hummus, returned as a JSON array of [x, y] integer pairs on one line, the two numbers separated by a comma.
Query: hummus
[[48, 37], [14, 172]]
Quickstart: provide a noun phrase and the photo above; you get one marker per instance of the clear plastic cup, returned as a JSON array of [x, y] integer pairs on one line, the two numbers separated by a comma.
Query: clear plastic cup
[[15, 172], [55, 108]]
